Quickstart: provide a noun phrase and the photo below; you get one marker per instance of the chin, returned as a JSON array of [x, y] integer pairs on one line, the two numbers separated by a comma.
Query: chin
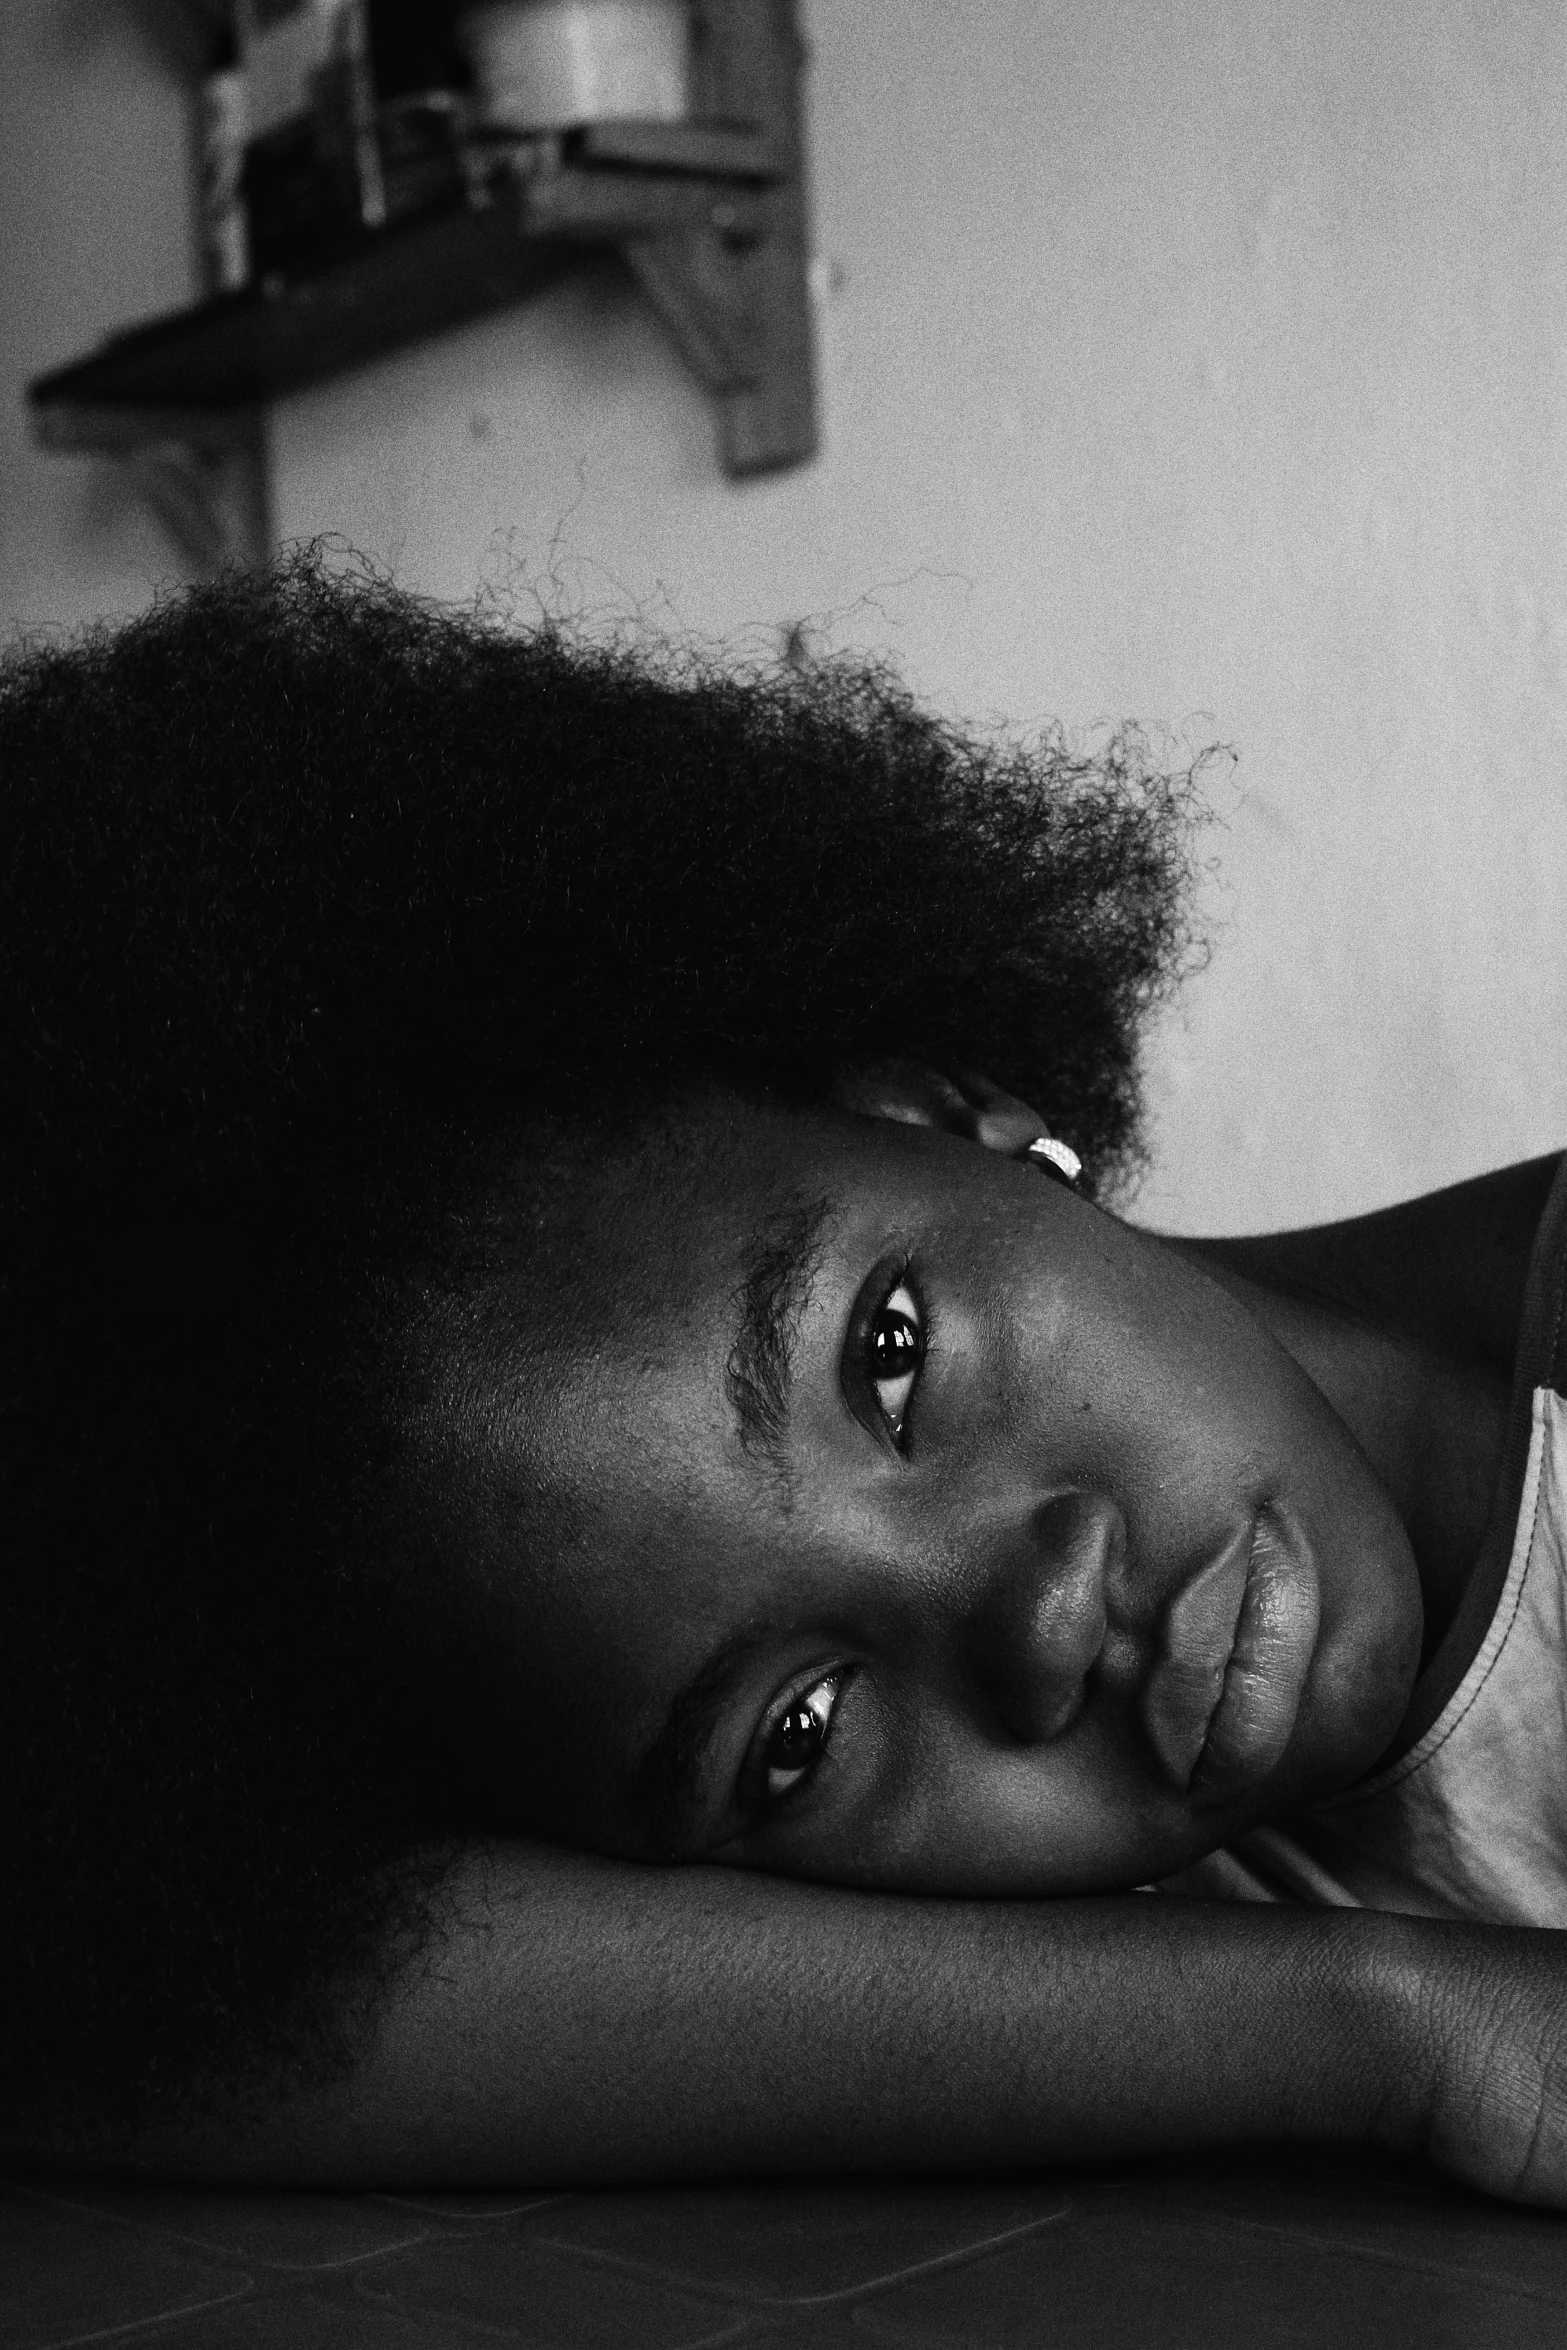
[[1359, 1690]]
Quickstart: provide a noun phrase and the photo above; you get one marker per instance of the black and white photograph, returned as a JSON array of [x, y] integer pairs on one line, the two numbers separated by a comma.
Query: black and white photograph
[[783, 1174]]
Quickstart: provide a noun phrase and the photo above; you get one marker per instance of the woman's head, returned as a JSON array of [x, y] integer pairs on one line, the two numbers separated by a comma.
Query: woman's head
[[895, 1516], [419, 1043]]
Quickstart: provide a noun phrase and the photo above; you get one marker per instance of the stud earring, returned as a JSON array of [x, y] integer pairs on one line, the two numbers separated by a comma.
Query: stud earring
[[1055, 1158]]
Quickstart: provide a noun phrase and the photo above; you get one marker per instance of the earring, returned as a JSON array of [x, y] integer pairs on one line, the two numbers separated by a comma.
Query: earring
[[1055, 1158]]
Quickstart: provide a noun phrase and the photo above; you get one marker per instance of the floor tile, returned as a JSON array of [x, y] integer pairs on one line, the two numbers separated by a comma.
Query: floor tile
[[1382, 2212], [799, 2242], [831, 2322], [276, 2229], [65, 2275], [308, 2321], [1269, 2246], [466, 2208], [534, 2295], [1123, 2276]]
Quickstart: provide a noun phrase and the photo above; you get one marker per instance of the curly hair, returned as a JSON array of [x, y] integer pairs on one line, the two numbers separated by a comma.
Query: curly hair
[[307, 885]]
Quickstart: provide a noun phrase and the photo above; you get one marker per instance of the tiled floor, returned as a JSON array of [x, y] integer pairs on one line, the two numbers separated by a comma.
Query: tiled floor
[[1271, 2249]]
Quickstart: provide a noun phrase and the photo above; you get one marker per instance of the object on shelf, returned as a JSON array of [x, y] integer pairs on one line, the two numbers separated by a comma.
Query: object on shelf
[[222, 128], [421, 80], [708, 214], [547, 65], [415, 48], [423, 155], [313, 181], [285, 45]]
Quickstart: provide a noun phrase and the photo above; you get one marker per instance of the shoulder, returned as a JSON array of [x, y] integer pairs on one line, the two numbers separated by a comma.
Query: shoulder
[[1450, 1269]]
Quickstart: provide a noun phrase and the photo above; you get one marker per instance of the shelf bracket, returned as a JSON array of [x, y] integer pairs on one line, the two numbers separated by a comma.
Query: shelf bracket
[[709, 214], [690, 284], [735, 294], [203, 472]]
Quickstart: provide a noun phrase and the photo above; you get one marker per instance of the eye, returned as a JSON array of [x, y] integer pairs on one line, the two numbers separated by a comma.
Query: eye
[[794, 1745], [896, 1346]]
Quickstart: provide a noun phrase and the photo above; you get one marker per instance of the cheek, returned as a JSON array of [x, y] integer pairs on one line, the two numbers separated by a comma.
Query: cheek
[[1149, 1396], [1368, 1655], [1079, 1815]]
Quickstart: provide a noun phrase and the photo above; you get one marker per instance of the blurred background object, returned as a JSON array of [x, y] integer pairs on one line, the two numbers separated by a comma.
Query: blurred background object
[[312, 175], [542, 65], [222, 130], [1199, 362], [375, 209]]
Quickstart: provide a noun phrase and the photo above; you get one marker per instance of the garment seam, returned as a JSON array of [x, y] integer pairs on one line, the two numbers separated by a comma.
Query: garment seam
[[1410, 1765]]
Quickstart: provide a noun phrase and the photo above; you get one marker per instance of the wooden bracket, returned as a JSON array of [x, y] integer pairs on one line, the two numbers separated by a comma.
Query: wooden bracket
[[735, 291], [203, 471], [709, 214]]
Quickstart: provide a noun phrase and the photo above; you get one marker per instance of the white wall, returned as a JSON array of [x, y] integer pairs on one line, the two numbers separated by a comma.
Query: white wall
[[94, 235], [1200, 362]]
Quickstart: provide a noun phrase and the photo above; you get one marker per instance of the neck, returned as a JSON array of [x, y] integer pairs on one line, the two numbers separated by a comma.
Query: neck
[[1407, 1321]]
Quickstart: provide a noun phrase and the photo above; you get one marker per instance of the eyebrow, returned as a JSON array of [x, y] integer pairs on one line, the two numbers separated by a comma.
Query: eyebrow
[[781, 1259], [781, 1262]]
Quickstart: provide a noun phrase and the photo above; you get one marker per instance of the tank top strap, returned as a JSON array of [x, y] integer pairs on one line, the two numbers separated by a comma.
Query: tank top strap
[[1541, 1361]]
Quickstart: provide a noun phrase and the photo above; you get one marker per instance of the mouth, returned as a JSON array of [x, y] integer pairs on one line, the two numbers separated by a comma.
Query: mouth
[[1221, 1703]]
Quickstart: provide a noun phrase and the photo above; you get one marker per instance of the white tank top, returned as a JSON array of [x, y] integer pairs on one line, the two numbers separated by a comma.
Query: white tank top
[[1469, 1820]]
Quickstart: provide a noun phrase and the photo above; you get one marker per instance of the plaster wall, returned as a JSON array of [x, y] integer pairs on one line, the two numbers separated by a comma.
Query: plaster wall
[[1195, 362], [94, 235]]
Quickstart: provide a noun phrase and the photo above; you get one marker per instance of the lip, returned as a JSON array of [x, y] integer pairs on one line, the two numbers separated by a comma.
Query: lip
[[1221, 1703]]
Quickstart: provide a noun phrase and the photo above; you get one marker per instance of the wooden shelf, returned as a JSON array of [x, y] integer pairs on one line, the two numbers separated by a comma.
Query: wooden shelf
[[709, 215]]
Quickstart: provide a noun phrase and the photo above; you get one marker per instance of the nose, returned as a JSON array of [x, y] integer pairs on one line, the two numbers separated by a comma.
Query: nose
[[1041, 1621]]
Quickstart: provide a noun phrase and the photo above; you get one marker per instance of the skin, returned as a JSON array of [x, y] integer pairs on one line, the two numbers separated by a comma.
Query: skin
[[576, 2018], [1137, 1572]]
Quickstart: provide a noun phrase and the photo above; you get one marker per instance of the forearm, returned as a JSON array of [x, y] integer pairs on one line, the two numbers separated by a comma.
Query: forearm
[[581, 2021]]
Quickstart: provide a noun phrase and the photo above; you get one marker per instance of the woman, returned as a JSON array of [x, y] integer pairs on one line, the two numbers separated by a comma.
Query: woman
[[551, 1330]]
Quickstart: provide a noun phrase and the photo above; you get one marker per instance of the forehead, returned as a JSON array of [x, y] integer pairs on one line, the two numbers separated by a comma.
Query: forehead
[[656, 1428], [692, 1284], [618, 1507], [728, 1196], [703, 1256], [696, 1260], [686, 1261]]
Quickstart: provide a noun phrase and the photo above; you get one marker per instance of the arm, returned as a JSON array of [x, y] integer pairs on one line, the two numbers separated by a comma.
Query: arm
[[582, 2021]]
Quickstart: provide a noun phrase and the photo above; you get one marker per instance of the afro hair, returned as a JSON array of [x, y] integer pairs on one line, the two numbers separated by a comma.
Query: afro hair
[[299, 872]]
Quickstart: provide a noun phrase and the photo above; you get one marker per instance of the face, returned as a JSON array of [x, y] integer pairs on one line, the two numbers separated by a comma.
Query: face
[[919, 1525]]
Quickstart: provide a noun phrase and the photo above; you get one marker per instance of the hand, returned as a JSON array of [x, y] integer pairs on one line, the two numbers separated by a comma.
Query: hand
[[1481, 2086]]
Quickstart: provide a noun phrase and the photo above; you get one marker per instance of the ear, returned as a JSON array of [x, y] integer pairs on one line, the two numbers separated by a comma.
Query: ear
[[954, 1099]]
